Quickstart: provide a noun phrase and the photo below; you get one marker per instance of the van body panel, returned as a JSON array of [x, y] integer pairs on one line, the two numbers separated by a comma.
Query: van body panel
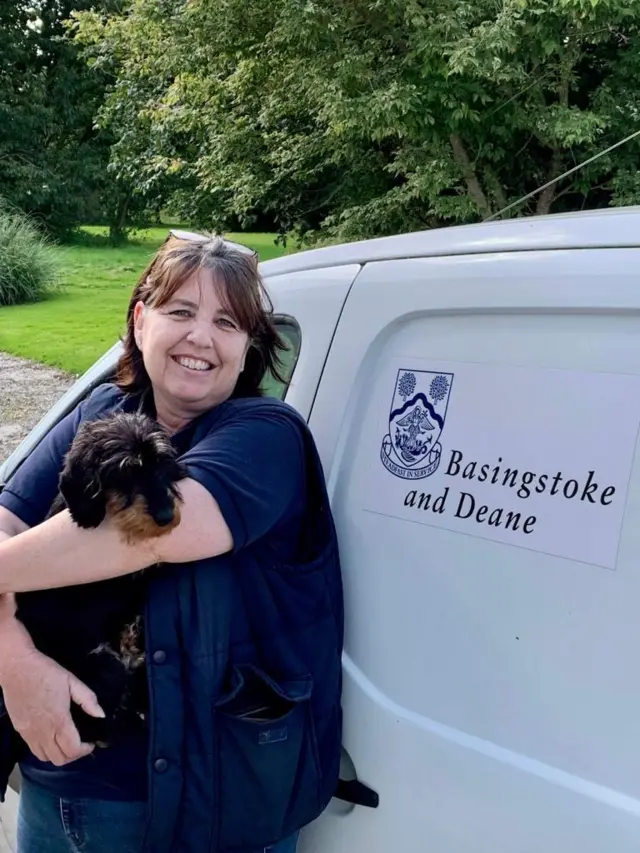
[[610, 228], [488, 692], [439, 793]]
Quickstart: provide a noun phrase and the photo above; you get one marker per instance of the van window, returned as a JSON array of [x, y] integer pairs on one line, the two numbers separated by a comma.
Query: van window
[[290, 332]]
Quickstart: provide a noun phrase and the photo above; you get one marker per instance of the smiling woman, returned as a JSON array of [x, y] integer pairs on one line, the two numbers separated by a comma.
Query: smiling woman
[[198, 329], [241, 602], [192, 348]]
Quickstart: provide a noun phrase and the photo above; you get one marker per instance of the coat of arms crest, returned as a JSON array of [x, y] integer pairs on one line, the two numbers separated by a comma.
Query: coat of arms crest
[[411, 449]]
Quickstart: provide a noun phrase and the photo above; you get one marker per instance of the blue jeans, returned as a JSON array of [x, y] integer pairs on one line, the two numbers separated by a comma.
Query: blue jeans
[[47, 824]]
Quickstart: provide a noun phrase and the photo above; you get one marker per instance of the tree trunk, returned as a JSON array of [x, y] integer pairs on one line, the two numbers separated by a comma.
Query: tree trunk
[[122, 213], [492, 182], [117, 227], [474, 188], [548, 196]]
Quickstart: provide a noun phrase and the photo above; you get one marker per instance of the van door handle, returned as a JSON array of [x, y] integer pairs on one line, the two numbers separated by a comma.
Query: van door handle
[[356, 792]]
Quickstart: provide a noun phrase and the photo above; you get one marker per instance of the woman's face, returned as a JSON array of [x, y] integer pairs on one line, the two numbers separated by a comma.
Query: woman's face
[[192, 348]]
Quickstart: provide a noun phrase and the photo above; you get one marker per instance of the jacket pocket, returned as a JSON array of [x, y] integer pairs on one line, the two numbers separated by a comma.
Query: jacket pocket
[[268, 770]]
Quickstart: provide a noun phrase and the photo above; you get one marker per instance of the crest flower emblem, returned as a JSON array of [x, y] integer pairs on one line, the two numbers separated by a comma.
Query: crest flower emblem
[[412, 449]]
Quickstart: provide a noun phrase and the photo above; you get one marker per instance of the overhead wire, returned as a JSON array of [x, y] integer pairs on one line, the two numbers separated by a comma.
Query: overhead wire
[[563, 175]]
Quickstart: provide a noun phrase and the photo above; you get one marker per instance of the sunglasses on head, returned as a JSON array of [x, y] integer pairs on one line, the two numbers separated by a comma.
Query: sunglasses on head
[[193, 237]]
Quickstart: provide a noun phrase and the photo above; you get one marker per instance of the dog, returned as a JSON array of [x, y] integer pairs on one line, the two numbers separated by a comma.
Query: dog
[[122, 467]]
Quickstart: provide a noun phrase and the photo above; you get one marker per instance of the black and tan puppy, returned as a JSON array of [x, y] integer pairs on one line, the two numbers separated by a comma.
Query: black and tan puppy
[[123, 467]]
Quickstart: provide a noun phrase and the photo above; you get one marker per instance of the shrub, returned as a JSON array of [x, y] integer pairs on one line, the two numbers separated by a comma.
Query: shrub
[[28, 266]]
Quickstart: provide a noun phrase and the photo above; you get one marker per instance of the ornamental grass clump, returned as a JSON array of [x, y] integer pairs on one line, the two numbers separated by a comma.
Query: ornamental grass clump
[[29, 269]]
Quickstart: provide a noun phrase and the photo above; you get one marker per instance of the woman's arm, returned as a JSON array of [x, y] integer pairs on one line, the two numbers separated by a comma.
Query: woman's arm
[[10, 524], [58, 553], [244, 479], [37, 692], [11, 631]]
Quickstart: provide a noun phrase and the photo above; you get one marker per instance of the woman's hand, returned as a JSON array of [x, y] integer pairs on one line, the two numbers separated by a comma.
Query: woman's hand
[[38, 695]]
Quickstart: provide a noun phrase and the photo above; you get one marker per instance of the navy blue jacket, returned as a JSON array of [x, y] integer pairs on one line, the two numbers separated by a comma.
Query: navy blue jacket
[[216, 629]]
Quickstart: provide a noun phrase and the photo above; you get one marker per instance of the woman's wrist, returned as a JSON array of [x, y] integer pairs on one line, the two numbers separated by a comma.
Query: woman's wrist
[[15, 640], [7, 610]]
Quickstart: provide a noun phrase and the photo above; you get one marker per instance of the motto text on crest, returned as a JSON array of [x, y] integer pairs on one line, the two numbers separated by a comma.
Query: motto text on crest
[[411, 449]]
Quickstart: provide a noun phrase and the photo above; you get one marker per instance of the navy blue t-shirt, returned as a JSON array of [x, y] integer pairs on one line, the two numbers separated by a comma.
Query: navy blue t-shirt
[[252, 463]]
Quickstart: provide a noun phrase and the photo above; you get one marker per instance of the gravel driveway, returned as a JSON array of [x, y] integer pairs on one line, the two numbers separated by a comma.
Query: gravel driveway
[[27, 391]]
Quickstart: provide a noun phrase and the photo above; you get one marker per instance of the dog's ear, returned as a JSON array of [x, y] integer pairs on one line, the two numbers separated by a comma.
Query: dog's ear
[[83, 496]]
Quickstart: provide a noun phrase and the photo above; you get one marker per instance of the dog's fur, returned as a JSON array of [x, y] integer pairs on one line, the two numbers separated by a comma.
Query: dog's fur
[[123, 467]]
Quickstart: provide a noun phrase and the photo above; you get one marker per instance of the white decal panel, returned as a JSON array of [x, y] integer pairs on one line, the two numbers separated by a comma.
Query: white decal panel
[[536, 458]]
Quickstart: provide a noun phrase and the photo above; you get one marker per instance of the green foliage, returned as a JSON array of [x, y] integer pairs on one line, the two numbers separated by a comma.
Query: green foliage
[[53, 159], [28, 266], [353, 118]]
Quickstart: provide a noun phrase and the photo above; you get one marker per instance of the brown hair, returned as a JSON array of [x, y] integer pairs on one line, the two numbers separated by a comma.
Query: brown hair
[[235, 270]]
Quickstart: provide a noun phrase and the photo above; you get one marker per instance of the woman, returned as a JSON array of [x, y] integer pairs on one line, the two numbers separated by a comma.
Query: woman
[[242, 600]]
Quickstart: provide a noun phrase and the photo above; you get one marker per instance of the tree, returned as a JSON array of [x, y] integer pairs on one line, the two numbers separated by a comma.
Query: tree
[[353, 118], [53, 159]]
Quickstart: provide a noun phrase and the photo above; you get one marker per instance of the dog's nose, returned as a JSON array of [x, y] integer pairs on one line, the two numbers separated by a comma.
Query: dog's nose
[[163, 516]]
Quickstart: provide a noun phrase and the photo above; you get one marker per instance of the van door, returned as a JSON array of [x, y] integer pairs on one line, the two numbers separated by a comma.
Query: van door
[[478, 419]]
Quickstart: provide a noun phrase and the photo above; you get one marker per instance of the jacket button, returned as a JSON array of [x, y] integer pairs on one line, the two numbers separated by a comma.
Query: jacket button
[[160, 765], [159, 656]]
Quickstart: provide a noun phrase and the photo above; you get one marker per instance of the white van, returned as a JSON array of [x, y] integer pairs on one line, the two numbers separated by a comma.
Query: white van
[[475, 396]]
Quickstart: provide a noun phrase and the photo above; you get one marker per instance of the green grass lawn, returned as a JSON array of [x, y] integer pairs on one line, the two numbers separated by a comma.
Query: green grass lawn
[[76, 326]]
